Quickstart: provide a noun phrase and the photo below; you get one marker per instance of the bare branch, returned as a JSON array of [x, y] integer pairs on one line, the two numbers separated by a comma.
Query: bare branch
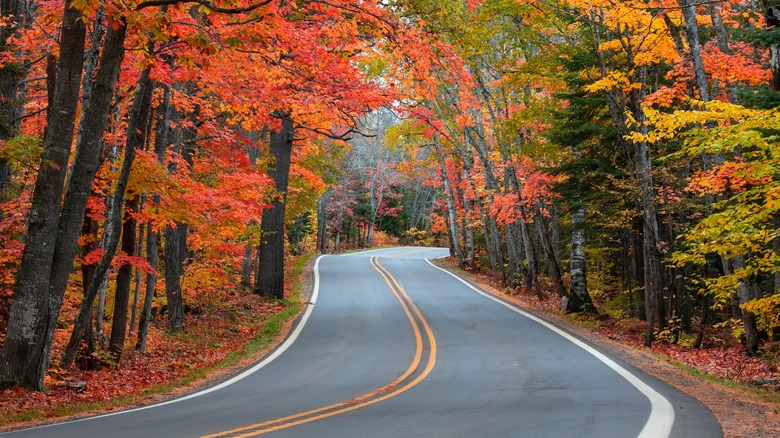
[[205, 3]]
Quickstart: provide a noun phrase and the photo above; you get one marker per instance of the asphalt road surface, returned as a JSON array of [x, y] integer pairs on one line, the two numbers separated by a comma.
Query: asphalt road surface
[[393, 346]]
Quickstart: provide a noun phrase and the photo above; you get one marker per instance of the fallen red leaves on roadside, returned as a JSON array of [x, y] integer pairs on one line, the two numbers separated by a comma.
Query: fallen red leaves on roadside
[[209, 337], [722, 355]]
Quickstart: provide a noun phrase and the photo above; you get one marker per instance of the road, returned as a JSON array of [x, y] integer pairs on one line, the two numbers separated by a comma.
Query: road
[[393, 346]]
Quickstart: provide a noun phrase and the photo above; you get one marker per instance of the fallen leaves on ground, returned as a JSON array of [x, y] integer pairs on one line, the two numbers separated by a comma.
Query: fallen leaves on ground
[[209, 337]]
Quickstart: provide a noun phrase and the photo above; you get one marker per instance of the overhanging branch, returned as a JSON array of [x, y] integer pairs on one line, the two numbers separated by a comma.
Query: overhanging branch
[[205, 3]]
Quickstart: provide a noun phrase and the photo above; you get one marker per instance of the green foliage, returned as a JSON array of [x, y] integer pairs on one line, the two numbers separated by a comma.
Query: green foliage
[[23, 151], [620, 306], [758, 37], [759, 97]]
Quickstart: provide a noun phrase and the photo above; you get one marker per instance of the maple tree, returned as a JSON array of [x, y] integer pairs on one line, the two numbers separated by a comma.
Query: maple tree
[[184, 46]]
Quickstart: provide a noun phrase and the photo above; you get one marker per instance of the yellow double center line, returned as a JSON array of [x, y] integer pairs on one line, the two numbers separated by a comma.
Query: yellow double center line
[[421, 366]]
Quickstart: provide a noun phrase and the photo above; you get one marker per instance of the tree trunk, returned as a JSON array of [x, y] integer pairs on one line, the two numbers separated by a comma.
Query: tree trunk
[[772, 19], [26, 349], [468, 234], [136, 129], [549, 251], [162, 140], [322, 223], [691, 26], [579, 298], [651, 256], [694, 47], [12, 76], [176, 240], [139, 248], [449, 197], [270, 279], [86, 162], [141, 102], [152, 257], [123, 278], [530, 255], [175, 255]]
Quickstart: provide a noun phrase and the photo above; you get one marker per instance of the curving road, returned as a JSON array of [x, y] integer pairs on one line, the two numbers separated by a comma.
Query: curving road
[[395, 347]]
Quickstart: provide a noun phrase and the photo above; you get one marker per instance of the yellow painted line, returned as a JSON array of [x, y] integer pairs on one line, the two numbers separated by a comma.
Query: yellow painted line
[[391, 389]]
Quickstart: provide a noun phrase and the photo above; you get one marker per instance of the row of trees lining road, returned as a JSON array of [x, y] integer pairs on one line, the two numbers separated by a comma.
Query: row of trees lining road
[[623, 151], [157, 138], [627, 148]]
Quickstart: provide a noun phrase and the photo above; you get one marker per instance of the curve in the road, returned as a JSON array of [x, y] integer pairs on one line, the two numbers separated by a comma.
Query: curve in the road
[[422, 364], [661, 419]]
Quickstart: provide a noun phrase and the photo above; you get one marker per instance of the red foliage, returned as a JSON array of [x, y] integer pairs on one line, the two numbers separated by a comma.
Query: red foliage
[[168, 357]]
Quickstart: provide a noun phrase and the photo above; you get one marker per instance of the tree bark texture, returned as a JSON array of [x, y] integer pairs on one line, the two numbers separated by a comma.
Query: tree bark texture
[[694, 47], [25, 356], [136, 129], [11, 82], [270, 278], [161, 141], [175, 255], [579, 298], [85, 166], [123, 278], [176, 237], [450, 199], [114, 220], [549, 251]]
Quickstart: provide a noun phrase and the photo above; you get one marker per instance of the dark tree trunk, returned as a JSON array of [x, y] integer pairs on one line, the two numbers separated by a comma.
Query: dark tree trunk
[[90, 229], [152, 256], [123, 278], [162, 140], [530, 256], [175, 255], [135, 136], [11, 86], [549, 251], [246, 266], [176, 243], [772, 19], [25, 356], [85, 165], [139, 250], [322, 223], [270, 279], [136, 129], [705, 310]]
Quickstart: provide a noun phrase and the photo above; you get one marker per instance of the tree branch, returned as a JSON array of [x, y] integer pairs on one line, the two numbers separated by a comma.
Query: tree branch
[[205, 3]]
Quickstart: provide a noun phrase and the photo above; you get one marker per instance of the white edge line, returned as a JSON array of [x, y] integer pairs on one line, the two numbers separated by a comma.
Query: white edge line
[[661, 419], [270, 358], [362, 252]]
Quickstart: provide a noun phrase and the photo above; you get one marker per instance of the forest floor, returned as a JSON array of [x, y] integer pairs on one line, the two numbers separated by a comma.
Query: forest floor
[[226, 338], [742, 392], [220, 339]]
